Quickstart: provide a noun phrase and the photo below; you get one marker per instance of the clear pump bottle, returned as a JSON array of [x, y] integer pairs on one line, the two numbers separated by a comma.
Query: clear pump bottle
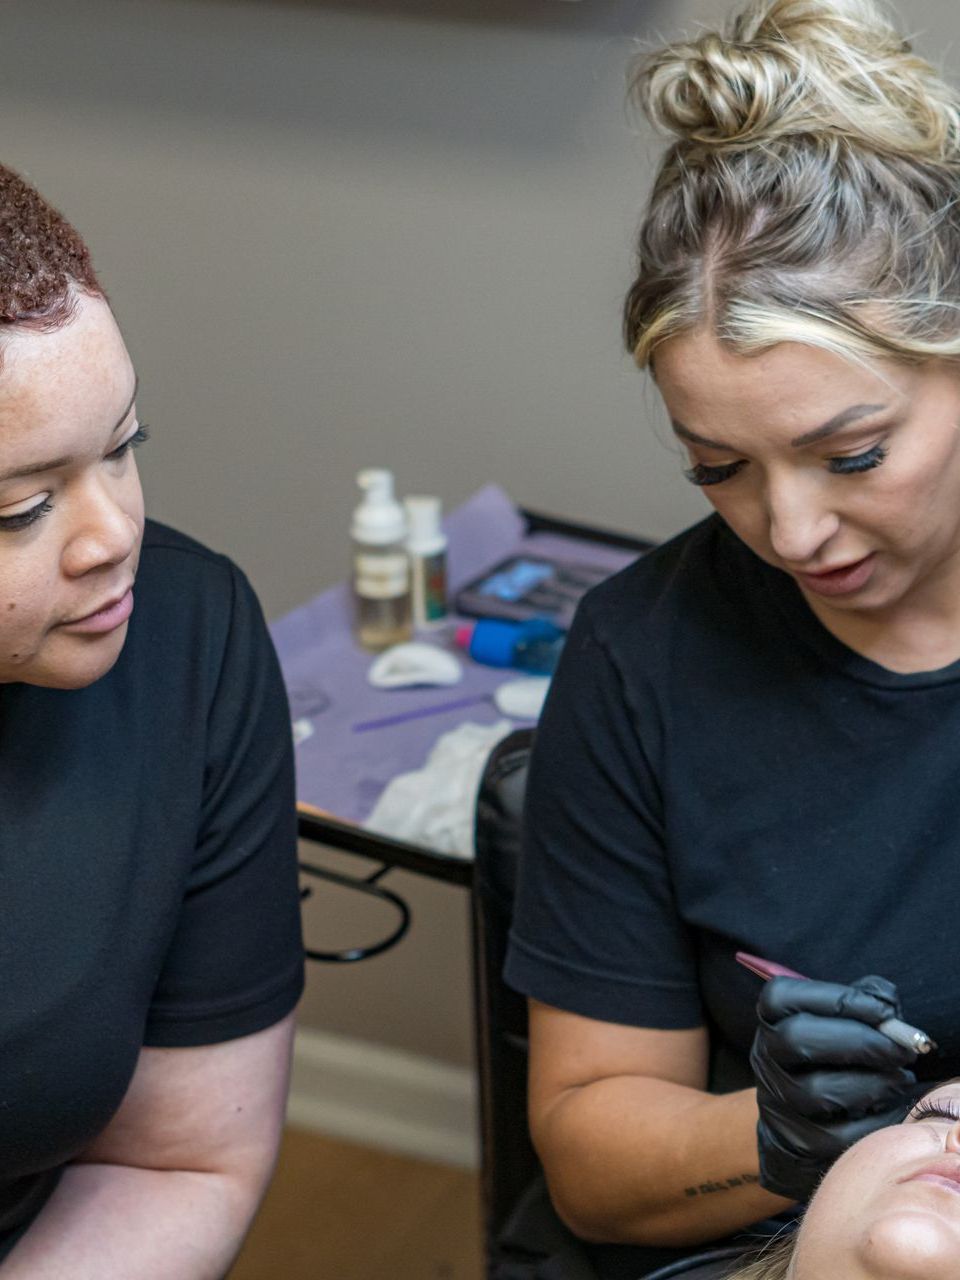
[[381, 566]]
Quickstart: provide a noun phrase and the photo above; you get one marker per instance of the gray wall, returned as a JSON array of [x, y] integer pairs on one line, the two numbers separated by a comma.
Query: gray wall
[[363, 233]]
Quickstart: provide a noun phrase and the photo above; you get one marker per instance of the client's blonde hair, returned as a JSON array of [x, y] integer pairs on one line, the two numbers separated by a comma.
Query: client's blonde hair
[[811, 194], [772, 1264]]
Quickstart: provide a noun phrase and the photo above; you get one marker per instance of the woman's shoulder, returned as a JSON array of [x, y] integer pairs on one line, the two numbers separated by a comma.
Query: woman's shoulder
[[692, 576], [185, 591], [168, 547], [175, 566]]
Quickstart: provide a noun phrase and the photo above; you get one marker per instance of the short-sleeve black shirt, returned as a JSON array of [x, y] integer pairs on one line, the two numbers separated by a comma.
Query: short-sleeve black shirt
[[714, 770], [147, 862]]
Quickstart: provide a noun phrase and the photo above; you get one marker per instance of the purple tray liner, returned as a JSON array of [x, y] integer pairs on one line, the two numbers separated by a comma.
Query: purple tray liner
[[344, 772]]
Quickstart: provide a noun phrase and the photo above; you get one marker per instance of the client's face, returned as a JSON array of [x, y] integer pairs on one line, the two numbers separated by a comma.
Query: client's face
[[889, 1209]]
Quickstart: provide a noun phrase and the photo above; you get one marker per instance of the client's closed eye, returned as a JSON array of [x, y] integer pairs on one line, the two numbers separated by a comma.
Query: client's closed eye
[[943, 1108]]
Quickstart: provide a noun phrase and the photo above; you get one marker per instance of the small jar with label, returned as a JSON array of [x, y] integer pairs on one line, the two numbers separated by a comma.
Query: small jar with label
[[381, 566], [427, 546]]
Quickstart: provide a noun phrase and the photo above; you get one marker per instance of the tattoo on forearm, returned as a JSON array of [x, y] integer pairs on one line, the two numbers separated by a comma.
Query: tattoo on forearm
[[727, 1184]]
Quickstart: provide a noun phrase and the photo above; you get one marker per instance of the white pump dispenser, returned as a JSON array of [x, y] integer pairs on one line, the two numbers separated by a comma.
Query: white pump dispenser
[[379, 518]]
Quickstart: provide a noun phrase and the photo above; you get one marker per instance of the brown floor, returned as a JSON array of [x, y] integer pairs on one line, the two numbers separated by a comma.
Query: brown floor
[[341, 1212]]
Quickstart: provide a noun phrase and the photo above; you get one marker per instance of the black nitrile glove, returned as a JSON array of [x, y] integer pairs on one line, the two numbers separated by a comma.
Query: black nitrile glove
[[825, 1077]]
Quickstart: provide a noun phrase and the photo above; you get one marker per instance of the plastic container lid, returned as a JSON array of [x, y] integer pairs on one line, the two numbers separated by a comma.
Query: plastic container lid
[[493, 641], [424, 533]]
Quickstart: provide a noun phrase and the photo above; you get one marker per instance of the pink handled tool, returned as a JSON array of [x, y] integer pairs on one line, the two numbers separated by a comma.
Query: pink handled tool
[[766, 968], [894, 1029]]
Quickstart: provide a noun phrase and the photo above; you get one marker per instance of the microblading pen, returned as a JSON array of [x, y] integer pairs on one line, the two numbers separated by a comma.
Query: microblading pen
[[894, 1029]]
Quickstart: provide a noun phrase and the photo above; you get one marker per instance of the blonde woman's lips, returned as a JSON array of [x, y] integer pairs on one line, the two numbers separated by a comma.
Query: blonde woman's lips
[[842, 581], [948, 1184], [944, 1172]]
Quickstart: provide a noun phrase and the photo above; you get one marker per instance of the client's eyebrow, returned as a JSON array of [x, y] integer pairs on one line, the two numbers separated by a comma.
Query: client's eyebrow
[[34, 468], [943, 1084], [836, 423], [932, 1088]]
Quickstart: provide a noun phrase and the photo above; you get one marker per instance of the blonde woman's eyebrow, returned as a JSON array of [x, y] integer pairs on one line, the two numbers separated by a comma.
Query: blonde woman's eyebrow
[[691, 436], [52, 464], [943, 1084], [836, 423]]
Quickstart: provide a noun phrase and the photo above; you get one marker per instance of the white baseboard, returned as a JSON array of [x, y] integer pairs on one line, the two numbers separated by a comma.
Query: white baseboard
[[384, 1098]]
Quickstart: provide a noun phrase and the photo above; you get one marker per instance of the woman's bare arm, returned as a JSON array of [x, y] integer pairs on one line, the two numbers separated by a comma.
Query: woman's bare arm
[[634, 1149], [169, 1189]]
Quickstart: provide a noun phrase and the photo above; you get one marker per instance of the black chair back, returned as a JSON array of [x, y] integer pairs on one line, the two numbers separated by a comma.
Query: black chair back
[[510, 1171], [509, 1163]]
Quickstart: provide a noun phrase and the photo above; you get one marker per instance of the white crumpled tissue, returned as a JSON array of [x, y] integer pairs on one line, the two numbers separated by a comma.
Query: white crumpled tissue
[[434, 806]]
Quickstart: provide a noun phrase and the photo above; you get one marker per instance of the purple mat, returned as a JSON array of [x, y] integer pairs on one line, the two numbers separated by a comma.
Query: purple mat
[[344, 771]]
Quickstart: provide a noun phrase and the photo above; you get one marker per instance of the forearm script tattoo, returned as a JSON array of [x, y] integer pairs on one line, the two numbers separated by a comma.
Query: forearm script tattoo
[[727, 1184]]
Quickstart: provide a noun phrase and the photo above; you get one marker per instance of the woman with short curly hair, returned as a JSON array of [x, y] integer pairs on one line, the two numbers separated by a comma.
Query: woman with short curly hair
[[150, 953]]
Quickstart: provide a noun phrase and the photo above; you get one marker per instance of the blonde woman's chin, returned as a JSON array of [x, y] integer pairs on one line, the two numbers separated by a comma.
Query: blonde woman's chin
[[889, 1209]]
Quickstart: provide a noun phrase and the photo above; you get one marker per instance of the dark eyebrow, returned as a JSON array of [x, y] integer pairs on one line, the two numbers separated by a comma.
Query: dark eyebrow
[[35, 468], [941, 1085], [932, 1087], [838, 421]]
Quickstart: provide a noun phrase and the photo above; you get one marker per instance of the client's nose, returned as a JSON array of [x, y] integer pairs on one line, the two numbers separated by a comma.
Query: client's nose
[[953, 1137]]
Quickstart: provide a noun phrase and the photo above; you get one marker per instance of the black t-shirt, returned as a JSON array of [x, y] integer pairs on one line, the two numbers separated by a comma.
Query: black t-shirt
[[147, 862], [715, 771]]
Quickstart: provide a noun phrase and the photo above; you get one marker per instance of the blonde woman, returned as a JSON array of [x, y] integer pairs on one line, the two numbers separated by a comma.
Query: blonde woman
[[889, 1209], [752, 740]]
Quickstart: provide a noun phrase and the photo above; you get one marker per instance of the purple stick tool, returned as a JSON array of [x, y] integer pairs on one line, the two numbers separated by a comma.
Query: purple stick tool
[[402, 717]]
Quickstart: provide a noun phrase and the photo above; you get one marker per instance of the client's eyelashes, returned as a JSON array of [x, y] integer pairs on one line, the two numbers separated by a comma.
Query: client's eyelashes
[[941, 1108]]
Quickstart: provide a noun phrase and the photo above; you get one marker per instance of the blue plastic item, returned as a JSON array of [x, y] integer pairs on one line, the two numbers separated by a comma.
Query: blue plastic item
[[532, 646]]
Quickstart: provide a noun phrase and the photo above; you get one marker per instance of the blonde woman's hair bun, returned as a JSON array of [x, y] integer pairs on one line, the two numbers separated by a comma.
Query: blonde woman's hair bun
[[782, 68]]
